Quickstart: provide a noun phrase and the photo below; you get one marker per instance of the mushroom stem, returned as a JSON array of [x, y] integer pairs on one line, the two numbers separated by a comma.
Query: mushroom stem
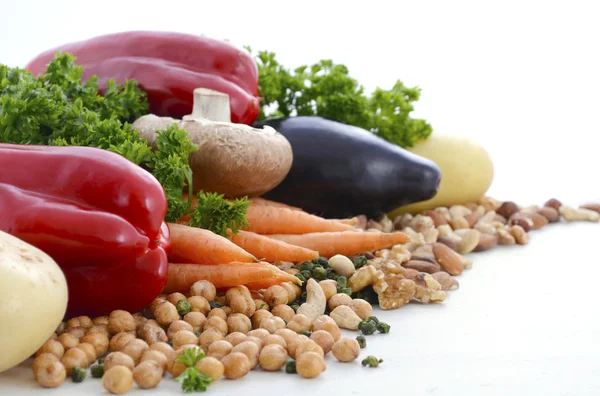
[[211, 105]]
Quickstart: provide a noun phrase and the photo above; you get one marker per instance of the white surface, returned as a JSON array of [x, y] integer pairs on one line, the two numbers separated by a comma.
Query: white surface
[[523, 322], [521, 77]]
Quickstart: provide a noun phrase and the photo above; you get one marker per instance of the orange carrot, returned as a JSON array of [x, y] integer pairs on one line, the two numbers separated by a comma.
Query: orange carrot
[[265, 219], [329, 244], [271, 250], [255, 276], [266, 202], [199, 246]]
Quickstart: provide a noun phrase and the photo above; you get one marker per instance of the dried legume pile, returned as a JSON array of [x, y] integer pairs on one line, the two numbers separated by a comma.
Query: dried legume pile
[[202, 336]]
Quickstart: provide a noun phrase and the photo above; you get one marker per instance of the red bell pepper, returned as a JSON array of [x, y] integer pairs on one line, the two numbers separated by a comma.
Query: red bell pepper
[[168, 67], [98, 215]]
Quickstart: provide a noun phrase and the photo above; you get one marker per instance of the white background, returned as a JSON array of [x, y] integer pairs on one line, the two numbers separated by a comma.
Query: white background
[[520, 77]]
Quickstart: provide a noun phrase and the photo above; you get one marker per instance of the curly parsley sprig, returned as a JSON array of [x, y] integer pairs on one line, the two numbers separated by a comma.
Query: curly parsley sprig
[[191, 380]]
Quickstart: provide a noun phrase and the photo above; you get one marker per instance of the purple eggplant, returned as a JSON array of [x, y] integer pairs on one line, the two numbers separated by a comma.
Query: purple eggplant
[[341, 170]]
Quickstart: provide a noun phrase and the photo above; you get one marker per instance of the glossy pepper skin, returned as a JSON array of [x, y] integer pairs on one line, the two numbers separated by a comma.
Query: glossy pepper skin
[[341, 170], [98, 215], [168, 67]]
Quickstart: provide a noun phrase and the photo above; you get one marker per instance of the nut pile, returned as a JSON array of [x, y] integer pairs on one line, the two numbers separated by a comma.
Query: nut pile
[[203, 336], [424, 269]]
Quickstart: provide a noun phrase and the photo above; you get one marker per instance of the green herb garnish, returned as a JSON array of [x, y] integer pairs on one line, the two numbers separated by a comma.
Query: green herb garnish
[[216, 214], [193, 381]]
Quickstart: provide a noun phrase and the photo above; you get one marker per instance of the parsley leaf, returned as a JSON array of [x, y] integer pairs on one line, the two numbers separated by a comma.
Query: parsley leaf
[[193, 381], [217, 214], [191, 356], [326, 89]]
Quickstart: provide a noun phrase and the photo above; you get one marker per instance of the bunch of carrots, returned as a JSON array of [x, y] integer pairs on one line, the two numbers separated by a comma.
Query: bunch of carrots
[[276, 233]]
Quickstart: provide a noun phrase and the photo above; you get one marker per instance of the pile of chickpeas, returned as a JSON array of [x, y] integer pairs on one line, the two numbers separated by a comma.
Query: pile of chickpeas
[[238, 331]]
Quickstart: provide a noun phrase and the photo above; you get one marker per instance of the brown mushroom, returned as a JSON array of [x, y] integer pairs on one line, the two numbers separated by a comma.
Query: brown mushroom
[[232, 159]]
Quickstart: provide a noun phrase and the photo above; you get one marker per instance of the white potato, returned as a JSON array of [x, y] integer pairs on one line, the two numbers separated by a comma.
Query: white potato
[[33, 299], [467, 171]]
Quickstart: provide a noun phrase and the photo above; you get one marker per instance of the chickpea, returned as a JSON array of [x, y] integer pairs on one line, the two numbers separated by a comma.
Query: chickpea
[[73, 322], [361, 307], [44, 359], [217, 323], [208, 337], [100, 320], [50, 375], [119, 321], [293, 290], [235, 338], [338, 299], [147, 374], [157, 301], [236, 291], [117, 380], [199, 304], [89, 350], [175, 367], [152, 334], [184, 337], [272, 357], [80, 321], [118, 359], [119, 340], [329, 287], [283, 311], [156, 357], [309, 346], [99, 329], [310, 365], [329, 326], [274, 339], [173, 298], [250, 349], [222, 300], [196, 319], [219, 349], [204, 289], [299, 323], [166, 313], [218, 312], [163, 348], [258, 333], [134, 349], [76, 332], [242, 304], [294, 343], [139, 320], [227, 310], [346, 349], [323, 339], [256, 340], [52, 346], [235, 365], [259, 316], [238, 323], [286, 334], [211, 367], [177, 326], [74, 357], [276, 295], [259, 304], [272, 324], [98, 340]]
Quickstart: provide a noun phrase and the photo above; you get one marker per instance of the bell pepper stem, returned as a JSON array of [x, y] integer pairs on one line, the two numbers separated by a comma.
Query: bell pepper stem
[[211, 105]]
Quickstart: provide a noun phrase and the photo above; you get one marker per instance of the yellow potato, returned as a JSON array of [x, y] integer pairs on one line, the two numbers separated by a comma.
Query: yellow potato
[[467, 171], [33, 299]]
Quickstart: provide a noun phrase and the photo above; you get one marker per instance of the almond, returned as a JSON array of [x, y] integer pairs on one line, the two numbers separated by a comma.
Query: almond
[[422, 266], [447, 241], [522, 220], [507, 209], [472, 218], [486, 242], [553, 203], [538, 220], [592, 206], [437, 218], [449, 260], [549, 213]]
